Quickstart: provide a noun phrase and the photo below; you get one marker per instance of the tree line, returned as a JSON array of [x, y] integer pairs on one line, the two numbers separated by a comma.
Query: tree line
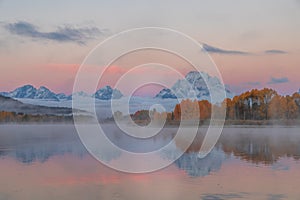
[[13, 117], [265, 104]]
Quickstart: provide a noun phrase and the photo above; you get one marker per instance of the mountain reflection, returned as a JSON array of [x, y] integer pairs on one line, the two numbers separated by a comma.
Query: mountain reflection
[[259, 146], [195, 166], [42, 152], [38, 143]]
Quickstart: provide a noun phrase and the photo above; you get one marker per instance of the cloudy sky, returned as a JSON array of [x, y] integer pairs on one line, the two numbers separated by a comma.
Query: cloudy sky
[[254, 43]]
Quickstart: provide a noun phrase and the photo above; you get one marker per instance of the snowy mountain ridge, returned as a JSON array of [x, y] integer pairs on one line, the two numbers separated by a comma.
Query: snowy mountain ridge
[[43, 93]]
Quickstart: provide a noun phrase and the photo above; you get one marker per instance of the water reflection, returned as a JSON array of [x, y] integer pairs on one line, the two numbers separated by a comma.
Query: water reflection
[[49, 162], [262, 146], [27, 145], [195, 166], [259, 146]]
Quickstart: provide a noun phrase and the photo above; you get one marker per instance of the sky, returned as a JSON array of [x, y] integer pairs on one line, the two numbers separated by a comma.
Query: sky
[[254, 43]]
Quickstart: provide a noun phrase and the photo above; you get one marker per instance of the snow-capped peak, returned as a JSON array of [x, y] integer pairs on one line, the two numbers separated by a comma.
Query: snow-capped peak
[[195, 85], [45, 93], [107, 93], [30, 92], [26, 91]]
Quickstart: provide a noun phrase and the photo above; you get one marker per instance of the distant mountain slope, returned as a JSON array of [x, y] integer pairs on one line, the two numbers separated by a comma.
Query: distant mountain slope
[[12, 105], [194, 81], [43, 93], [30, 92]]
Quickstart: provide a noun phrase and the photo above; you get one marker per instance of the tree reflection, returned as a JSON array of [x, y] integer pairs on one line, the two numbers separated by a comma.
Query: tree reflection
[[261, 148]]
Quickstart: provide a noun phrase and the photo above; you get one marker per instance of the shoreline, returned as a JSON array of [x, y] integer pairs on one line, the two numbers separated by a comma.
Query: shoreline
[[205, 126]]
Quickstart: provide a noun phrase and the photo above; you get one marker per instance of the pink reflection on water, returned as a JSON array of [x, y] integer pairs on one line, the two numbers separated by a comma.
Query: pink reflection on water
[[71, 177]]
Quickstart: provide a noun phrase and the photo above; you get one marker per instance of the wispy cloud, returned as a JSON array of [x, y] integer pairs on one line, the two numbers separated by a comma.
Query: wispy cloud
[[276, 196], [212, 49], [216, 50], [253, 83], [278, 80], [275, 51], [223, 196], [65, 33]]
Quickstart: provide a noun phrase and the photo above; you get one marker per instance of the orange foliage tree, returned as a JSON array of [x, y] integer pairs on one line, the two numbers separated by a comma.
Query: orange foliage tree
[[256, 104]]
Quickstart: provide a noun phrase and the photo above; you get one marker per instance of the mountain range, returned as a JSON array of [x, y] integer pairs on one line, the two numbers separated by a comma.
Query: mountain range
[[193, 85], [195, 81], [30, 92]]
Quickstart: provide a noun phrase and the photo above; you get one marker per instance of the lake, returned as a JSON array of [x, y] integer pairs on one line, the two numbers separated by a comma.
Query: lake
[[49, 162]]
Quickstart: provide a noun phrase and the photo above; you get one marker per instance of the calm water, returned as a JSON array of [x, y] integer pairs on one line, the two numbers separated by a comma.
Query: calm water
[[49, 162]]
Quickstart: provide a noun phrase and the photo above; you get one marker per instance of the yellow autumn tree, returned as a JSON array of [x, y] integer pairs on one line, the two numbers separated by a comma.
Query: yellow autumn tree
[[292, 108]]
